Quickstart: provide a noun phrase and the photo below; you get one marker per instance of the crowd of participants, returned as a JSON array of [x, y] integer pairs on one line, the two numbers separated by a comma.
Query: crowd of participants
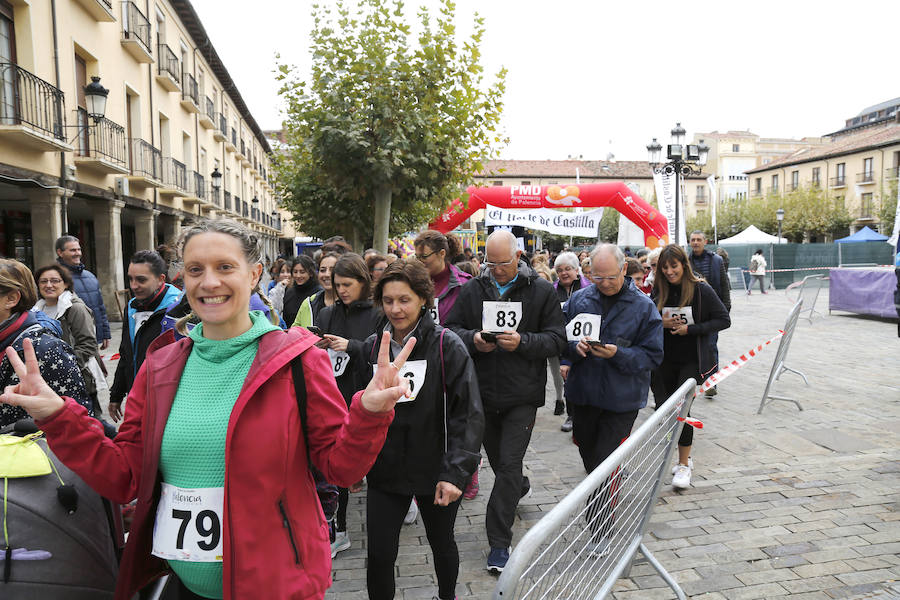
[[267, 395]]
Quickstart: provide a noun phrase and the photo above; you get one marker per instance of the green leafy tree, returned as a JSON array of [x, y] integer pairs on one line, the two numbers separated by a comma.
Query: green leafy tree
[[887, 211], [391, 126]]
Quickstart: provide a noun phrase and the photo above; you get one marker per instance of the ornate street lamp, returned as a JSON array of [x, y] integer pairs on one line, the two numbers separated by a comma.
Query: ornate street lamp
[[779, 216], [682, 162], [95, 99]]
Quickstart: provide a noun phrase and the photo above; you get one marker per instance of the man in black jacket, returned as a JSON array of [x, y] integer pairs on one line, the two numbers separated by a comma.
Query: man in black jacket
[[141, 321], [511, 323], [711, 267]]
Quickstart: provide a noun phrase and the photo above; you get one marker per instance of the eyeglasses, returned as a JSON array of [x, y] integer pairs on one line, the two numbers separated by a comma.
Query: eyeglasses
[[494, 265], [601, 278], [50, 281], [424, 256]]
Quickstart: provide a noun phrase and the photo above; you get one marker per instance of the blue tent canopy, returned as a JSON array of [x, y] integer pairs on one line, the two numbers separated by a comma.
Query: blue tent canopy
[[863, 235]]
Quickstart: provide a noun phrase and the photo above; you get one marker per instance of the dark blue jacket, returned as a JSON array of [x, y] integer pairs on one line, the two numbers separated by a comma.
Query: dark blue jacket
[[633, 324], [86, 287], [718, 275]]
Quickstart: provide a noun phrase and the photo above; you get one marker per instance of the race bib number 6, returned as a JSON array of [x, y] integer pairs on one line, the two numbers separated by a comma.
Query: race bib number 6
[[414, 371], [501, 316], [684, 315], [584, 325], [189, 524]]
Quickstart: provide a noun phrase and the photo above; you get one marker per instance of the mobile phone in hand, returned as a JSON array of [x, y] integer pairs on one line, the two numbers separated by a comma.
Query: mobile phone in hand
[[595, 343], [315, 330], [489, 337]]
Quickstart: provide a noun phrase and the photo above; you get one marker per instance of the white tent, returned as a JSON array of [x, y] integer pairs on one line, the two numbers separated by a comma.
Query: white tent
[[752, 235]]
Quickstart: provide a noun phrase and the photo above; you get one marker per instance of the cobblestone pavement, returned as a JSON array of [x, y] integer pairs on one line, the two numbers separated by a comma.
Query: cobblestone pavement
[[787, 503]]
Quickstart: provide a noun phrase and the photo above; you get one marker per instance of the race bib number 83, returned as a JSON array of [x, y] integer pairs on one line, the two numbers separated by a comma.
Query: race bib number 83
[[189, 524], [501, 316]]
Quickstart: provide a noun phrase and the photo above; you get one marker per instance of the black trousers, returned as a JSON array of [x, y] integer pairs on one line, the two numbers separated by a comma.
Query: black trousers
[[598, 433], [506, 436], [666, 380], [341, 515], [384, 518]]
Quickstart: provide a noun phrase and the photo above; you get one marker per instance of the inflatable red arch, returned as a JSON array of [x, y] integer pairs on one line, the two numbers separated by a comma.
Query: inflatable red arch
[[614, 194]]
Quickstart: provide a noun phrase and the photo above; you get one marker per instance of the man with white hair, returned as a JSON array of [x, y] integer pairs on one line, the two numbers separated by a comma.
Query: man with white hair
[[511, 322], [610, 365]]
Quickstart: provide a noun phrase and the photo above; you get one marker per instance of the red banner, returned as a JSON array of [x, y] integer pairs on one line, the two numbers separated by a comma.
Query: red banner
[[588, 195]]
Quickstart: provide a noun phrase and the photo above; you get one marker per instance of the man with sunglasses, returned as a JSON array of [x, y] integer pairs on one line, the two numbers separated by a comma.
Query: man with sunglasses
[[511, 322], [610, 370]]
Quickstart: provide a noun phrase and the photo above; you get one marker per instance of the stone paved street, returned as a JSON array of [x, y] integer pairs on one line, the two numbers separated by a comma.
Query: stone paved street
[[800, 504]]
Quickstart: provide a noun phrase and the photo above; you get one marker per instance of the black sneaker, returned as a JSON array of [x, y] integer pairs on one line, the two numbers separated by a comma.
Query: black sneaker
[[560, 408], [567, 426], [526, 488]]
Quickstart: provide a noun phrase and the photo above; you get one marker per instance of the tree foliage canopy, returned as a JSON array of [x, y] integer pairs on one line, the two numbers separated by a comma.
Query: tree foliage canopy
[[808, 213], [386, 113]]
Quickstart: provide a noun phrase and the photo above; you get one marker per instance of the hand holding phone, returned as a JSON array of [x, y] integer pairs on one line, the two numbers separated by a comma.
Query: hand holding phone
[[489, 337]]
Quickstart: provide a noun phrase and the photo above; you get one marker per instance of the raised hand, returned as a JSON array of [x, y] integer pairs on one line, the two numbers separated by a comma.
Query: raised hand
[[31, 393], [386, 386]]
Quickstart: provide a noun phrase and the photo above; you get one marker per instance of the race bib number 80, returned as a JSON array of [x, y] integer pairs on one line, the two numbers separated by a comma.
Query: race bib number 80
[[501, 316], [584, 325], [189, 524]]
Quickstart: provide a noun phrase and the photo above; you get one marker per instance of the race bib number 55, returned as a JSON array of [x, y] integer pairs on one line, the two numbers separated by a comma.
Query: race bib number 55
[[189, 524], [501, 316]]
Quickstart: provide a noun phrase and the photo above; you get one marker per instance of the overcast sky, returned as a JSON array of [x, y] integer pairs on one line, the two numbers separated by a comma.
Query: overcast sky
[[591, 77]]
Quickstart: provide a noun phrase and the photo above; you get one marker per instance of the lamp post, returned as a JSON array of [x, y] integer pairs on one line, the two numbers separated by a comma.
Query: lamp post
[[682, 161], [779, 216], [216, 177], [95, 99]]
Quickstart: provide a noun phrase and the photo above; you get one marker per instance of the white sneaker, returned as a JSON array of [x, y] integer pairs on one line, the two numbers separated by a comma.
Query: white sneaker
[[690, 465], [682, 478], [412, 514], [341, 542], [601, 548]]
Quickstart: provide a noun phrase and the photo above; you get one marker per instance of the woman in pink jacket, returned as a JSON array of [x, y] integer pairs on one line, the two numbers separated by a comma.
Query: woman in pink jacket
[[213, 446]]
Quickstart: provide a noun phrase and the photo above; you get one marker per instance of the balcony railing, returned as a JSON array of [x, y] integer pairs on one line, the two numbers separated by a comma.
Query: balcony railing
[[793, 186], [773, 190], [168, 63], [866, 212], [243, 149], [174, 174], [221, 124], [209, 108], [892, 172], [234, 137], [189, 88], [26, 99], [227, 195], [103, 140], [146, 161], [839, 181], [198, 185], [815, 183], [702, 199], [135, 26], [866, 177]]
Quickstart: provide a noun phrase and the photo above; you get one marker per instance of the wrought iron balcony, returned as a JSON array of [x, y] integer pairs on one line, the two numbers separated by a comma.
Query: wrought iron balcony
[[208, 114], [227, 195], [234, 137], [102, 145], [866, 177], [174, 177], [198, 186], [839, 181], [32, 111], [773, 190], [892, 172], [219, 132], [190, 94], [169, 73], [146, 161], [136, 33], [101, 10]]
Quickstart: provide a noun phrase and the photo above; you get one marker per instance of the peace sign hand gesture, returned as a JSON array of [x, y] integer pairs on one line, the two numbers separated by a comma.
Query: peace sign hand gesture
[[386, 387], [31, 393]]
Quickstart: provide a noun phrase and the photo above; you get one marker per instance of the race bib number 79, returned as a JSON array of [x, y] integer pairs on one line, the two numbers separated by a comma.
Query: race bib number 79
[[189, 524], [501, 316]]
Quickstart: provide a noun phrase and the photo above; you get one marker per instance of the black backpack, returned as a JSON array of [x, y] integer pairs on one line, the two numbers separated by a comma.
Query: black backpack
[[327, 492]]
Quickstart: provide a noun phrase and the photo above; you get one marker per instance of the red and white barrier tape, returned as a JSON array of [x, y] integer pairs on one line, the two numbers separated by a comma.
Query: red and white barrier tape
[[804, 269], [732, 367]]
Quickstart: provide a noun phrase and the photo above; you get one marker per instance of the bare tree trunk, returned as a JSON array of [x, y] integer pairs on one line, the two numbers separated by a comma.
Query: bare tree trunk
[[356, 240], [382, 217]]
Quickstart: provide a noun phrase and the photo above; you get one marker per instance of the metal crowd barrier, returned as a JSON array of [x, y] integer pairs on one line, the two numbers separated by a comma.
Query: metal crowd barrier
[[590, 539], [808, 294], [778, 366]]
